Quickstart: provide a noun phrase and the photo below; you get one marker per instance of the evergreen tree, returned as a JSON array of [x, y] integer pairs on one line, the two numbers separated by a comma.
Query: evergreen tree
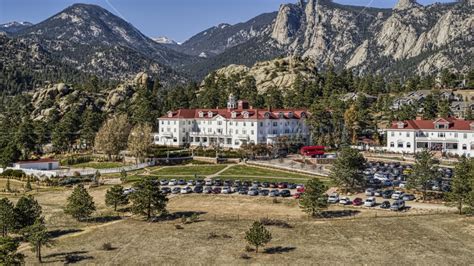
[[348, 168], [26, 211], [80, 204], [38, 236], [430, 107], [273, 98], [258, 235], [147, 198], [9, 252], [423, 172], [444, 109], [7, 218], [314, 197], [115, 197], [461, 184], [25, 138]]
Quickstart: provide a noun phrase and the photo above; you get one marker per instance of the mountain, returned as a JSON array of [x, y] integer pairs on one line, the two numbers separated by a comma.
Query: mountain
[[164, 40], [410, 38], [216, 40], [14, 26], [94, 40]]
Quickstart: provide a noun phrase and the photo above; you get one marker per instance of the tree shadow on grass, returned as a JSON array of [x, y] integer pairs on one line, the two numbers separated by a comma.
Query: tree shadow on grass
[[279, 250], [177, 215], [61, 232], [337, 214], [68, 257], [103, 219]]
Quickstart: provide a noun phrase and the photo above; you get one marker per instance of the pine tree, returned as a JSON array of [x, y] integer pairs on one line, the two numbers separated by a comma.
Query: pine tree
[[258, 235], [424, 170], [8, 252], [7, 218], [38, 236], [8, 185], [347, 169], [26, 211], [80, 204], [147, 198], [28, 185], [461, 184], [115, 197], [314, 197]]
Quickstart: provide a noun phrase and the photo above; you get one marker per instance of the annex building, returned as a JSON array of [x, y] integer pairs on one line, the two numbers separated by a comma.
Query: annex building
[[448, 135], [230, 127]]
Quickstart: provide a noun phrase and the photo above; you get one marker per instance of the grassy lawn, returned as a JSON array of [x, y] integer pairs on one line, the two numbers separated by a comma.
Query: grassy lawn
[[189, 170], [135, 178], [99, 165], [243, 170], [218, 237], [263, 179]]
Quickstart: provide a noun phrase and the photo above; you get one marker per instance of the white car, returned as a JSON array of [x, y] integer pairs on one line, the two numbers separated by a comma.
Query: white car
[[173, 182], [226, 190], [397, 195], [370, 202], [380, 176], [186, 190], [369, 192], [190, 183], [208, 183], [128, 191], [345, 201], [333, 198]]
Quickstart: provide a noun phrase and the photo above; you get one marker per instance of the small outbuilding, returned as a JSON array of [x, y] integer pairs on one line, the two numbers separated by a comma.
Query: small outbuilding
[[40, 164]]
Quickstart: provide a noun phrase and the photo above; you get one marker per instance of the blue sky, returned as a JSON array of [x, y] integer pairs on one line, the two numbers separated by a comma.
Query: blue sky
[[177, 19]]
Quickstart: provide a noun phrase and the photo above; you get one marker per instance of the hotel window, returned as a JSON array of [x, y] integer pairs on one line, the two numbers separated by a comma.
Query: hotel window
[[261, 124], [236, 131], [244, 132], [275, 124], [456, 135], [245, 124], [174, 122], [230, 123], [174, 130], [392, 134], [251, 132], [251, 124], [464, 147], [219, 123], [162, 122], [465, 135], [168, 122], [198, 139], [408, 145], [441, 134], [400, 144], [392, 144], [230, 131], [408, 134], [219, 131]]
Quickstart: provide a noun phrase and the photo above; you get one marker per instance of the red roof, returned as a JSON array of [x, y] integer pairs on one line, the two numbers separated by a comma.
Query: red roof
[[227, 113], [453, 123], [45, 160]]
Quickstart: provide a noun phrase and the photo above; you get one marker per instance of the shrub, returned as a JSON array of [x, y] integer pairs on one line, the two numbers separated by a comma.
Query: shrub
[[178, 226], [275, 222], [244, 256], [194, 218], [13, 173], [107, 246]]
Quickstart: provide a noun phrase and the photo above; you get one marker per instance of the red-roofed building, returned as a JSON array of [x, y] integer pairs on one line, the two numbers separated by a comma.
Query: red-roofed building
[[230, 127], [449, 135]]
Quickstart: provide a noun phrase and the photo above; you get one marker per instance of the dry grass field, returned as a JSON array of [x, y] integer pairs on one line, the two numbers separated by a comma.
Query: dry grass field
[[218, 237]]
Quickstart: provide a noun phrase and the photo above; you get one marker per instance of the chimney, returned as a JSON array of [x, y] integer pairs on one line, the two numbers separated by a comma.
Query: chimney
[[419, 117]]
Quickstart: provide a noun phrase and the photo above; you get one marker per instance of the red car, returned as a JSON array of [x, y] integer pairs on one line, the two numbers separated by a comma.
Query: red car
[[357, 202], [283, 185], [300, 189], [297, 195], [272, 185]]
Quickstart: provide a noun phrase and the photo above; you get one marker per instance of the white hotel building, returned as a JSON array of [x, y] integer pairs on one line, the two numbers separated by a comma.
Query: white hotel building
[[449, 135], [238, 124]]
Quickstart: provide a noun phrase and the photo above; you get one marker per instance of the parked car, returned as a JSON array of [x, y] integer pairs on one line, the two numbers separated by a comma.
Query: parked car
[[274, 193], [128, 191], [272, 185], [397, 205], [370, 202], [208, 183], [190, 183], [181, 182], [173, 182], [385, 205], [200, 182], [297, 195], [265, 184], [165, 190], [378, 193], [357, 202], [285, 193], [397, 195], [198, 189], [387, 194], [345, 200], [186, 190], [333, 198], [227, 190], [176, 190], [227, 183], [253, 192], [243, 191], [300, 188], [163, 182], [369, 192], [263, 192], [408, 197], [291, 186], [218, 182], [217, 190], [283, 185]]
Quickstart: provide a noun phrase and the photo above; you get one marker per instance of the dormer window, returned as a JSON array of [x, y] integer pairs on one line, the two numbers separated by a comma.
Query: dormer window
[[281, 115], [400, 125], [303, 115], [245, 114], [170, 114], [201, 114], [472, 126], [210, 114], [290, 115], [233, 114], [267, 115]]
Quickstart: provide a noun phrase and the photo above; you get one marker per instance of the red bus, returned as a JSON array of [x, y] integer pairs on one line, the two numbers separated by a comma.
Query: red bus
[[313, 151]]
